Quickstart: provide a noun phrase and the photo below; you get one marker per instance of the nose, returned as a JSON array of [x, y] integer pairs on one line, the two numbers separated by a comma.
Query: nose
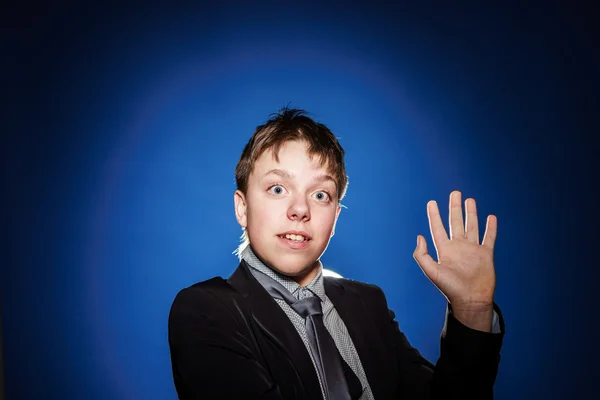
[[299, 210]]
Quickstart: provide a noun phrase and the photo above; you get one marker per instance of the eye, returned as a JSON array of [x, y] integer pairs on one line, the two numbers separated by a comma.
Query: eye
[[276, 189], [322, 196]]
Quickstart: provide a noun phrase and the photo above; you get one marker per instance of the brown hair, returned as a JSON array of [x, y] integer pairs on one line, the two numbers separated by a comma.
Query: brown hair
[[293, 124]]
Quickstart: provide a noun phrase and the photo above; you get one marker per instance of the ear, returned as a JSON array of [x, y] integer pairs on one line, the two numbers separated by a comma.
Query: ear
[[337, 214], [239, 201]]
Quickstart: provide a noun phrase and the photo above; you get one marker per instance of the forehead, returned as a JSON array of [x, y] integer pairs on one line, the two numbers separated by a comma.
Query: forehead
[[293, 156]]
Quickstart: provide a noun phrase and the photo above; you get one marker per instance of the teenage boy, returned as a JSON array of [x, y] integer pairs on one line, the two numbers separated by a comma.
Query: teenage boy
[[278, 329]]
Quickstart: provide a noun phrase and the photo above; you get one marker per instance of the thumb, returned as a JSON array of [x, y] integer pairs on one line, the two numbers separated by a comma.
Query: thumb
[[425, 261]]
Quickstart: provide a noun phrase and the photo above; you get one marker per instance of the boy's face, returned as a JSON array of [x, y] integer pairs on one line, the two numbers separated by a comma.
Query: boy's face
[[292, 196]]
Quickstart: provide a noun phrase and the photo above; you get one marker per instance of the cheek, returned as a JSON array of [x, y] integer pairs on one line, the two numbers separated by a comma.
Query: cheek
[[263, 219], [326, 220]]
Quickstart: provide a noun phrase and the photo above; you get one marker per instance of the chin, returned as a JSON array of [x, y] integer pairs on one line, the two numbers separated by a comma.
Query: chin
[[294, 268]]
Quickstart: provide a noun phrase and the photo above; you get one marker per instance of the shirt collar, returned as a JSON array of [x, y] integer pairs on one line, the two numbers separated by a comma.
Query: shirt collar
[[316, 286]]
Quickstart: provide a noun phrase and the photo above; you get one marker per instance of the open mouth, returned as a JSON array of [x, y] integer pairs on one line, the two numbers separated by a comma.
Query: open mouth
[[294, 238]]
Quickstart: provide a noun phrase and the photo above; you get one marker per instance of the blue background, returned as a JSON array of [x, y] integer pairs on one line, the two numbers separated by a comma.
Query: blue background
[[122, 126]]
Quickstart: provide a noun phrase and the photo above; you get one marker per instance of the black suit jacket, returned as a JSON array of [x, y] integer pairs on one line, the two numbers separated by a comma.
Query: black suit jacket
[[230, 340]]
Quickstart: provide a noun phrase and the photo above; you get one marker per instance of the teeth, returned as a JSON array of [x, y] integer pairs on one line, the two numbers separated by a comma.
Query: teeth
[[296, 238]]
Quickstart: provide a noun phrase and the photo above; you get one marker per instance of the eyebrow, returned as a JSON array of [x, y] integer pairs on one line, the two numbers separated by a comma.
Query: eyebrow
[[288, 175], [279, 172]]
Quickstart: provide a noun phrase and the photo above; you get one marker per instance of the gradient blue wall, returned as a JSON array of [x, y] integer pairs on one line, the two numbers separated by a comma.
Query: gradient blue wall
[[124, 125]]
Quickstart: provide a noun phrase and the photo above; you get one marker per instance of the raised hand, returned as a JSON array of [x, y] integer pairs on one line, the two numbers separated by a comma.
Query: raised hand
[[464, 272]]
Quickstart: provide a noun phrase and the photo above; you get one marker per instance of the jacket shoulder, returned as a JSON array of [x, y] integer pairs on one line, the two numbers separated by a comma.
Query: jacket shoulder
[[209, 297], [213, 286], [360, 288], [371, 295]]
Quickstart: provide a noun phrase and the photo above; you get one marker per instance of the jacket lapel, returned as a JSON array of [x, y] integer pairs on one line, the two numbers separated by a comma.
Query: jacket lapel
[[368, 343], [275, 324]]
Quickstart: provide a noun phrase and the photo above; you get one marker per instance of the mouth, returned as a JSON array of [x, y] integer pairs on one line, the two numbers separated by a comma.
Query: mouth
[[295, 236]]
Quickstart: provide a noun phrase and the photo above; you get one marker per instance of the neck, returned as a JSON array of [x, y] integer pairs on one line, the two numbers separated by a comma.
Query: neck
[[308, 276]]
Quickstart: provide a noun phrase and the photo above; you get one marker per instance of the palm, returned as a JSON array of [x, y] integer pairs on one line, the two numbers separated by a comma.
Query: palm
[[464, 271]]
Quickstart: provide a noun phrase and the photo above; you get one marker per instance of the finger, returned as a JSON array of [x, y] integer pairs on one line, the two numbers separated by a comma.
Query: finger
[[471, 222], [428, 265], [491, 231], [457, 228], [436, 226]]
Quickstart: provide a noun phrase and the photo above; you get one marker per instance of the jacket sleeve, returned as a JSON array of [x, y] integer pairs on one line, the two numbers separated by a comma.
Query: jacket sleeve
[[466, 368], [211, 356]]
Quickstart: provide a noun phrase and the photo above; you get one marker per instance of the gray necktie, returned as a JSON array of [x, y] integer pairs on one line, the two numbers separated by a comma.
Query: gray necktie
[[322, 346]]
